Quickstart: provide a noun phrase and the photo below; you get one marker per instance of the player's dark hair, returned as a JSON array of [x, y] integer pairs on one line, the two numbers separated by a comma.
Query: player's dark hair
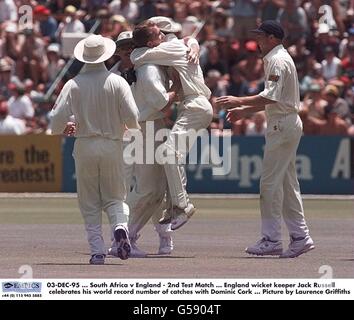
[[143, 33]]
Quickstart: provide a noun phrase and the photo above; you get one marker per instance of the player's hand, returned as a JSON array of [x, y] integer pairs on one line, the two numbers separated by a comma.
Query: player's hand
[[70, 129], [193, 54], [235, 114], [227, 102]]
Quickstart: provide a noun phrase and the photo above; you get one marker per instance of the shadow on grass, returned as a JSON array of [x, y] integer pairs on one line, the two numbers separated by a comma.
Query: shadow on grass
[[255, 257], [77, 264], [348, 260], [149, 255], [155, 255]]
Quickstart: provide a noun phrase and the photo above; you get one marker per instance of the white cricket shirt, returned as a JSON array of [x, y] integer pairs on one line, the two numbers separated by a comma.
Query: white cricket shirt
[[101, 102], [281, 83], [150, 91], [174, 54]]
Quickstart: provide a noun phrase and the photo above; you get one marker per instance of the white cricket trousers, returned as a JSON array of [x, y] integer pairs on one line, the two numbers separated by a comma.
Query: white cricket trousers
[[129, 165], [147, 199], [195, 113], [100, 186], [279, 187]]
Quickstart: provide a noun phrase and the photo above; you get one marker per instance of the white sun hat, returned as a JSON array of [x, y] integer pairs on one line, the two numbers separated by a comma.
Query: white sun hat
[[124, 37], [53, 47], [94, 49], [166, 25]]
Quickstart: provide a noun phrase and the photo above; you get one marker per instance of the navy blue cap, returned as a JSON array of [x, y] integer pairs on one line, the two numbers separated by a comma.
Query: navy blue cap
[[271, 27]]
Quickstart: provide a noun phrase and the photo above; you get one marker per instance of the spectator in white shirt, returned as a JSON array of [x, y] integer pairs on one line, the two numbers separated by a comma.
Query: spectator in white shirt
[[55, 63], [9, 124], [20, 105], [330, 65], [71, 22], [8, 11]]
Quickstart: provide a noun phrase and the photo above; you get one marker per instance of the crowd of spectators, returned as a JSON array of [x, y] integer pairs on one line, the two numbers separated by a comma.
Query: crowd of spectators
[[319, 37]]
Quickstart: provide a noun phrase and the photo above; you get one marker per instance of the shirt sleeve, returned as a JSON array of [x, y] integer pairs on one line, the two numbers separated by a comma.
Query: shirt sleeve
[[155, 93], [273, 84], [129, 110], [171, 53], [62, 110]]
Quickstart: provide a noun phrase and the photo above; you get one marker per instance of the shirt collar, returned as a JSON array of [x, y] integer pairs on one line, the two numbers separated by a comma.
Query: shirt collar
[[272, 52], [89, 67]]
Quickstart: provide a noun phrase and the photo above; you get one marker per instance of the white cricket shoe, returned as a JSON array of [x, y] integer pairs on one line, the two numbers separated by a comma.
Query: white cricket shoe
[[165, 236], [298, 247], [135, 251], [123, 244], [265, 247], [166, 244], [97, 259], [181, 216]]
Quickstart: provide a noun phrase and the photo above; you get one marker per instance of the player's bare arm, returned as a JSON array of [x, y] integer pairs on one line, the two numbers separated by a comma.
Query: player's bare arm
[[240, 107]]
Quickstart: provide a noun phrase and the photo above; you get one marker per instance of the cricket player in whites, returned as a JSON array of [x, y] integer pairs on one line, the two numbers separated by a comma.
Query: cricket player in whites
[[153, 95], [125, 69], [147, 198], [103, 105], [195, 111], [279, 187]]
